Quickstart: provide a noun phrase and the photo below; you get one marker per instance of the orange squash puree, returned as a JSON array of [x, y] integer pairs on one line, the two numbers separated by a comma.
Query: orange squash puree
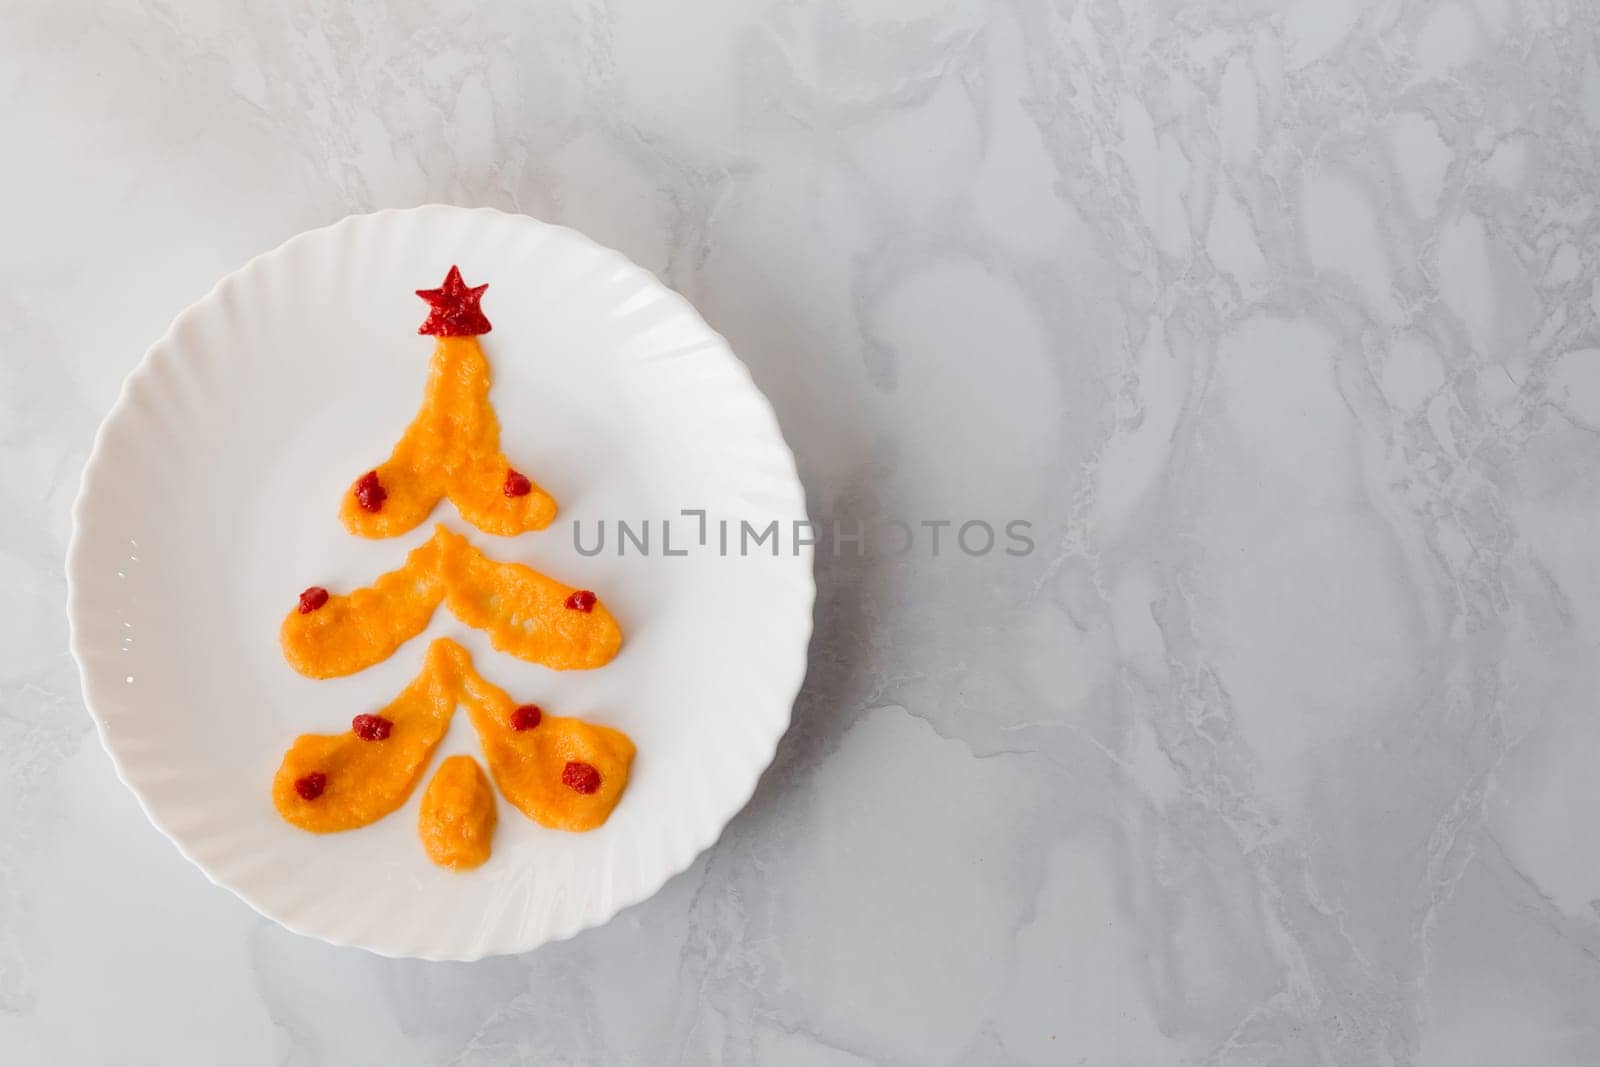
[[523, 611], [366, 780], [457, 819], [362, 781], [529, 765], [451, 448], [351, 632]]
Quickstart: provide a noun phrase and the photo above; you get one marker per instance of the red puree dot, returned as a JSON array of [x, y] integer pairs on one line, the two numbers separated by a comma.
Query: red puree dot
[[312, 599], [311, 786], [580, 777], [516, 484], [370, 493], [526, 717], [582, 600], [371, 727]]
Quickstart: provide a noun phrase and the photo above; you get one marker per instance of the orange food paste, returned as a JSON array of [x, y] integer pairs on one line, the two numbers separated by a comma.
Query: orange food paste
[[452, 447], [362, 781], [563, 773], [530, 764], [457, 819], [524, 613]]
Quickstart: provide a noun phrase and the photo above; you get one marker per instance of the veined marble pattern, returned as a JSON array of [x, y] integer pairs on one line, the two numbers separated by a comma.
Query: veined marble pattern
[[1279, 322]]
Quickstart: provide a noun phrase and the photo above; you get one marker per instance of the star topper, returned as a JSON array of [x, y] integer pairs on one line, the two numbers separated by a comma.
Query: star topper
[[454, 308]]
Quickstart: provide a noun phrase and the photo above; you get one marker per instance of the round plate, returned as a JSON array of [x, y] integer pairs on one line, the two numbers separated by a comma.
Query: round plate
[[211, 499]]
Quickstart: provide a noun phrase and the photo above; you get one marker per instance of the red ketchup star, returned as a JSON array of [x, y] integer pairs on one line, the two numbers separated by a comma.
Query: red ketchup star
[[455, 308]]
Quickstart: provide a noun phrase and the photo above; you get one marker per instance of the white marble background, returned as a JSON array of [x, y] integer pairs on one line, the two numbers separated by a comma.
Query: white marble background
[[1280, 321]]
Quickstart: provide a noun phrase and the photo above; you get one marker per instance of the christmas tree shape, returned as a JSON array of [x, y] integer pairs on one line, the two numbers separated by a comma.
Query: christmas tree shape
[[563, 773]]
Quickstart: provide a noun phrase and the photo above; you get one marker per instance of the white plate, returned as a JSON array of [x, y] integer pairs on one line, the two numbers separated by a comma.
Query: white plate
[[211, 498]]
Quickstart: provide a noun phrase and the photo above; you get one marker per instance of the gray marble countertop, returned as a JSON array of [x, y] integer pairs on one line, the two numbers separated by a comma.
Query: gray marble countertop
[[1281, 330]]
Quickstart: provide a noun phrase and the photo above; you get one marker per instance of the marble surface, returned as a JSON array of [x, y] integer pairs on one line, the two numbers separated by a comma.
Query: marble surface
[[1279, 322]]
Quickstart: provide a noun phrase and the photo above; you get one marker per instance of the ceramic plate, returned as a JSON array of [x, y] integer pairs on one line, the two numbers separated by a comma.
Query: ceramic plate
[[210, 501]]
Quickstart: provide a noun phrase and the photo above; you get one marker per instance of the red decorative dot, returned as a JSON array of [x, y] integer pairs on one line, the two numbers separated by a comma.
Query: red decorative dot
[[371, 727], [526, 717], [311, 786], [312, 599], [517, 484], [370, 493], [580, 777], [582, 600]]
